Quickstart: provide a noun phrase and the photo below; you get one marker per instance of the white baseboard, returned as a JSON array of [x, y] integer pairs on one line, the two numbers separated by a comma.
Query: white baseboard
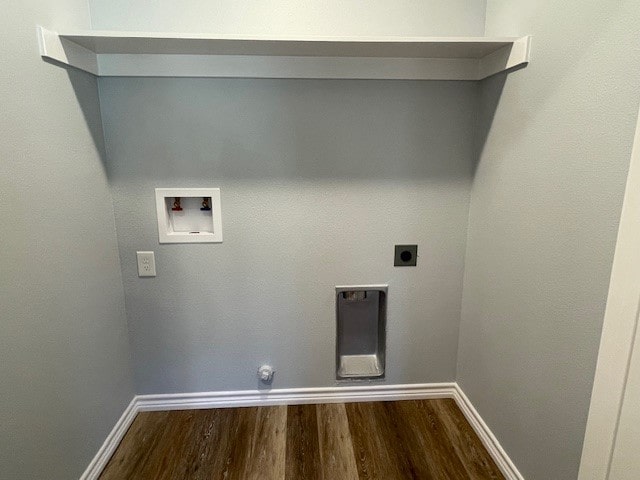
[[293, 396], [112, 441], [297, 396], [488, 439]]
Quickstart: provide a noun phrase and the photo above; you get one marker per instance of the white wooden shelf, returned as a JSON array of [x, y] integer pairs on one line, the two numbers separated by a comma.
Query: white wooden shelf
[[155, 54]]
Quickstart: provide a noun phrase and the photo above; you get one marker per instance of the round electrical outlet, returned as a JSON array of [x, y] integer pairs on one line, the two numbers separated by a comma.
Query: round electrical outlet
[[405, 256]]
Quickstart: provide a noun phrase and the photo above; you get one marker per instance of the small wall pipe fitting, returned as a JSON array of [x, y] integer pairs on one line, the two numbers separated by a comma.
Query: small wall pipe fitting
[[265, 373]]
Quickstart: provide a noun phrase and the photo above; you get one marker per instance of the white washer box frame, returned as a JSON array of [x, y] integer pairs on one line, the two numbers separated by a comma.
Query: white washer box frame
[[165, 231]]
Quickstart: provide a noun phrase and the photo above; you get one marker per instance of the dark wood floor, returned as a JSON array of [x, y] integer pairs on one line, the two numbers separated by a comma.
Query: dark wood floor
[[414, 439]]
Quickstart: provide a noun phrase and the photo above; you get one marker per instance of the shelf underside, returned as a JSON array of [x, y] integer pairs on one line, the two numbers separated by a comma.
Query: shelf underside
[[157, 54]]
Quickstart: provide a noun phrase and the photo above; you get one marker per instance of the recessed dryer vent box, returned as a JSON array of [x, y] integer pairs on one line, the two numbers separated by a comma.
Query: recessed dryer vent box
[[189, 215], [361, 331]]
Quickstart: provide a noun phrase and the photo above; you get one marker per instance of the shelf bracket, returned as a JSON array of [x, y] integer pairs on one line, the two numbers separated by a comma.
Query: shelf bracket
[[506, 58], [60, 50]]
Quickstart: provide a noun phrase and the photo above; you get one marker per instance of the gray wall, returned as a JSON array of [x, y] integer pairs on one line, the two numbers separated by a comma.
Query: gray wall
[[65, 372], [544, 212], [294, 17], [319, 180]]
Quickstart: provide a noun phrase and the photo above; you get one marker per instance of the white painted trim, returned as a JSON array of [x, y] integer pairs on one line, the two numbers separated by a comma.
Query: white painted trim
[[506, 58], [489, 440], [110, 444], [56, 48], [618, 334], [297, 396], [201, 55], [293, 396]]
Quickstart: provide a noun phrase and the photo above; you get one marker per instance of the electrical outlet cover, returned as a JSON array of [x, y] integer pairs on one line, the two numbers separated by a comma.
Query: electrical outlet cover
[[146, 264]]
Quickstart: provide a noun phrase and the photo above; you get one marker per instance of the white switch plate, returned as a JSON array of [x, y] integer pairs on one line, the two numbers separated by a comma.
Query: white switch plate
[[146, 264]]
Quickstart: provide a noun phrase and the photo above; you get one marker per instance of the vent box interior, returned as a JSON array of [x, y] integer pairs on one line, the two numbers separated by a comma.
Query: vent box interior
[[189, 215], [361, 331]]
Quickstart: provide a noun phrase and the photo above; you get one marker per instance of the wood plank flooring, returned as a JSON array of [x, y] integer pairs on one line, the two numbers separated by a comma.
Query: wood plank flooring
[[412, 439]]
